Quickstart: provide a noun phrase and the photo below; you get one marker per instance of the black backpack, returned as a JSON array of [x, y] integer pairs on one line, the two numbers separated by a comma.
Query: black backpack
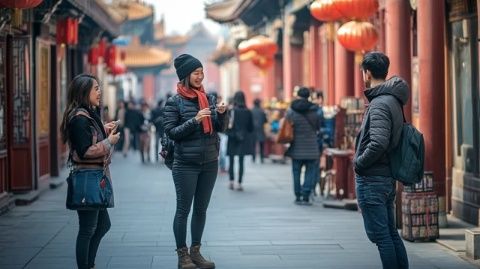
[[407, 158], [168, 145]]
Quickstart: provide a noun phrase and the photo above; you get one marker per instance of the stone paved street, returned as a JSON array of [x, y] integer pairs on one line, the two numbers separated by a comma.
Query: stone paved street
[[259, 228]]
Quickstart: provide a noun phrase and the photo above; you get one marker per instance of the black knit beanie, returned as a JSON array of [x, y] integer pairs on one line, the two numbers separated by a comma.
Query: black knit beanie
[[185, 64]]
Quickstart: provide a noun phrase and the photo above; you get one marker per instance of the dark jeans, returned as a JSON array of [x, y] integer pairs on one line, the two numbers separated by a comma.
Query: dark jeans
[[309, 181], [192, 180], [261, 146], [376, 197], [93, 225], [231, 167]]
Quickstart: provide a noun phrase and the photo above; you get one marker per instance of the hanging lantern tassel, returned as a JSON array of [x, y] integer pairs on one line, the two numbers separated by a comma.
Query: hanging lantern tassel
[[17, 18], [358, 57]]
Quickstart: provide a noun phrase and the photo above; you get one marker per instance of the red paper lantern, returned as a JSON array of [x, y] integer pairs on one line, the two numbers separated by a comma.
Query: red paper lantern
[[20, 3], [118, 69], [325, 10], [93, 55], [357, 36], [67, 31], [262, 62], [244, 46], [357, 9], [102, 47], [111, 56], [263, 45]]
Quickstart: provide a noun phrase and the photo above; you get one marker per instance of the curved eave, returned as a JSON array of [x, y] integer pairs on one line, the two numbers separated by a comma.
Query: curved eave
[[227, 11], [146, 57]]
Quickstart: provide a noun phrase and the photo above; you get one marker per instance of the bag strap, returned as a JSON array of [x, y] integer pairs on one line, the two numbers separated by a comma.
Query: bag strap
[[309, 122], [401, 106]]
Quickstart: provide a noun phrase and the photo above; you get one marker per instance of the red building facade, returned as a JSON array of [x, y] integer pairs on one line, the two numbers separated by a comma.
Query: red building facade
[[433, 45]]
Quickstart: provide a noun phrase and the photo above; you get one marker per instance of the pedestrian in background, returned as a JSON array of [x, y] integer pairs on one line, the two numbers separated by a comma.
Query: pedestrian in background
[[259, 121], [157, 121], [144, 132], [120, 118], [304, 148], [129, 127], [90, 144], [240, 140], [380, 132], [193, 122]]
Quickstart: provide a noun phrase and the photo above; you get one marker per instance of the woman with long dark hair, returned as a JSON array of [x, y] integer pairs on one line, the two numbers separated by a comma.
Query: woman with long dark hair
[[240, 140], [90, 143], [192, 120]]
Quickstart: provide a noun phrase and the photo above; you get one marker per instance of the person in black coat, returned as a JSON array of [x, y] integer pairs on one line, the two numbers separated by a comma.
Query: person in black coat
[[192, 120], [259, 121], [240, 139], [380, 132]]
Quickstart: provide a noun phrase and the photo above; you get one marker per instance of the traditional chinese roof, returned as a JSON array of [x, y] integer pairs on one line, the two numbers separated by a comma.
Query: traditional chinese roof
[[222, 54], [132, 10], [139, 56], [99, 13], [251, 12], [226, 11]]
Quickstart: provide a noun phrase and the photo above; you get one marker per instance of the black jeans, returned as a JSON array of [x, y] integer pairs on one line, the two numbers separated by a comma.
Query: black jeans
[[93, 225], [192, 180], [231, 167]]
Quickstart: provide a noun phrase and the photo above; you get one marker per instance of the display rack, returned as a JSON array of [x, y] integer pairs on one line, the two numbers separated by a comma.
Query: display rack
[[420, 211]]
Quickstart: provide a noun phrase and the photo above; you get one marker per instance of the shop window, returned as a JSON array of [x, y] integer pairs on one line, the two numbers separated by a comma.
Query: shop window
[[20, 90], [464, 50]]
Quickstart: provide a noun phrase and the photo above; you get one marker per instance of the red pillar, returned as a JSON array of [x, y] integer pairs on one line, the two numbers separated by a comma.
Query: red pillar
[[315, 60], [397, 35], [331, 72], [343, 73], [292, 68], [359, 85], [431, 42]]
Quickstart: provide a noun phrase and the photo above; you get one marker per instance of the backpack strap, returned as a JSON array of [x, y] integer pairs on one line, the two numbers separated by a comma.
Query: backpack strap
[[401, 106]]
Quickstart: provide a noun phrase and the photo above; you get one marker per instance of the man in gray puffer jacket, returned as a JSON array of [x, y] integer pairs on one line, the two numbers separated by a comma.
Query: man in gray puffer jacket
[[304, 149], [380, 133]]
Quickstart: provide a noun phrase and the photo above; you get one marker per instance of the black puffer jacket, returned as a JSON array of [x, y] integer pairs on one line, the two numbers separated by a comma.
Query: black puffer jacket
[[192, 145], [306, 123], [381, 127]]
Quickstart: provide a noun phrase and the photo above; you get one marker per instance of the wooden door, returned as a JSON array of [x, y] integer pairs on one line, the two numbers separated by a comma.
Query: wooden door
[[3, 114], [43, 64], [19, 114]]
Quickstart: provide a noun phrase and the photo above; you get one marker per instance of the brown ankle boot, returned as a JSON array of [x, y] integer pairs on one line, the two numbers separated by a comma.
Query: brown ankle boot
[[184, 260], [199, 260]]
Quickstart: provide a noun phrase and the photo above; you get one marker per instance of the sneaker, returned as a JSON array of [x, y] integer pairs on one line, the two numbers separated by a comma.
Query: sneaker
[[230, 186], [306, 201], [298, 200], [239, 188]]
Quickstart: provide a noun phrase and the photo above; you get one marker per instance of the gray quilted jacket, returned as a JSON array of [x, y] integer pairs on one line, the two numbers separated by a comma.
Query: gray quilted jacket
[[381, 127], [306, 123]]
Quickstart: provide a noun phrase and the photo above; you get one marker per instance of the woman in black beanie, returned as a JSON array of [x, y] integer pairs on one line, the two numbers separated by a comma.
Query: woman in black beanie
[[192, 119]]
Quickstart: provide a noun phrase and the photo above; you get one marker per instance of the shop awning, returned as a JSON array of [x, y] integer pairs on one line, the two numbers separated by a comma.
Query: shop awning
[[97, 11]]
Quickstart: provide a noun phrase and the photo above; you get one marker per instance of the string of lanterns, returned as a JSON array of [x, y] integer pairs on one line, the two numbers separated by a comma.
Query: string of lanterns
[[109, 54], [260, 49], [357, 34]]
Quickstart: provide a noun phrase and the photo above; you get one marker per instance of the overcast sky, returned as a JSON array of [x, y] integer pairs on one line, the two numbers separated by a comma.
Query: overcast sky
[[181, 14]]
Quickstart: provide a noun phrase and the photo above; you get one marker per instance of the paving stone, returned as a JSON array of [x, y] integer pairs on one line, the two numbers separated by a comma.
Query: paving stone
[[260, 228]]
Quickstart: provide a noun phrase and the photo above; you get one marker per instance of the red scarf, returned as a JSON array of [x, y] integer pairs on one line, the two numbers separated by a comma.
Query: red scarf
[[193, 93]]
